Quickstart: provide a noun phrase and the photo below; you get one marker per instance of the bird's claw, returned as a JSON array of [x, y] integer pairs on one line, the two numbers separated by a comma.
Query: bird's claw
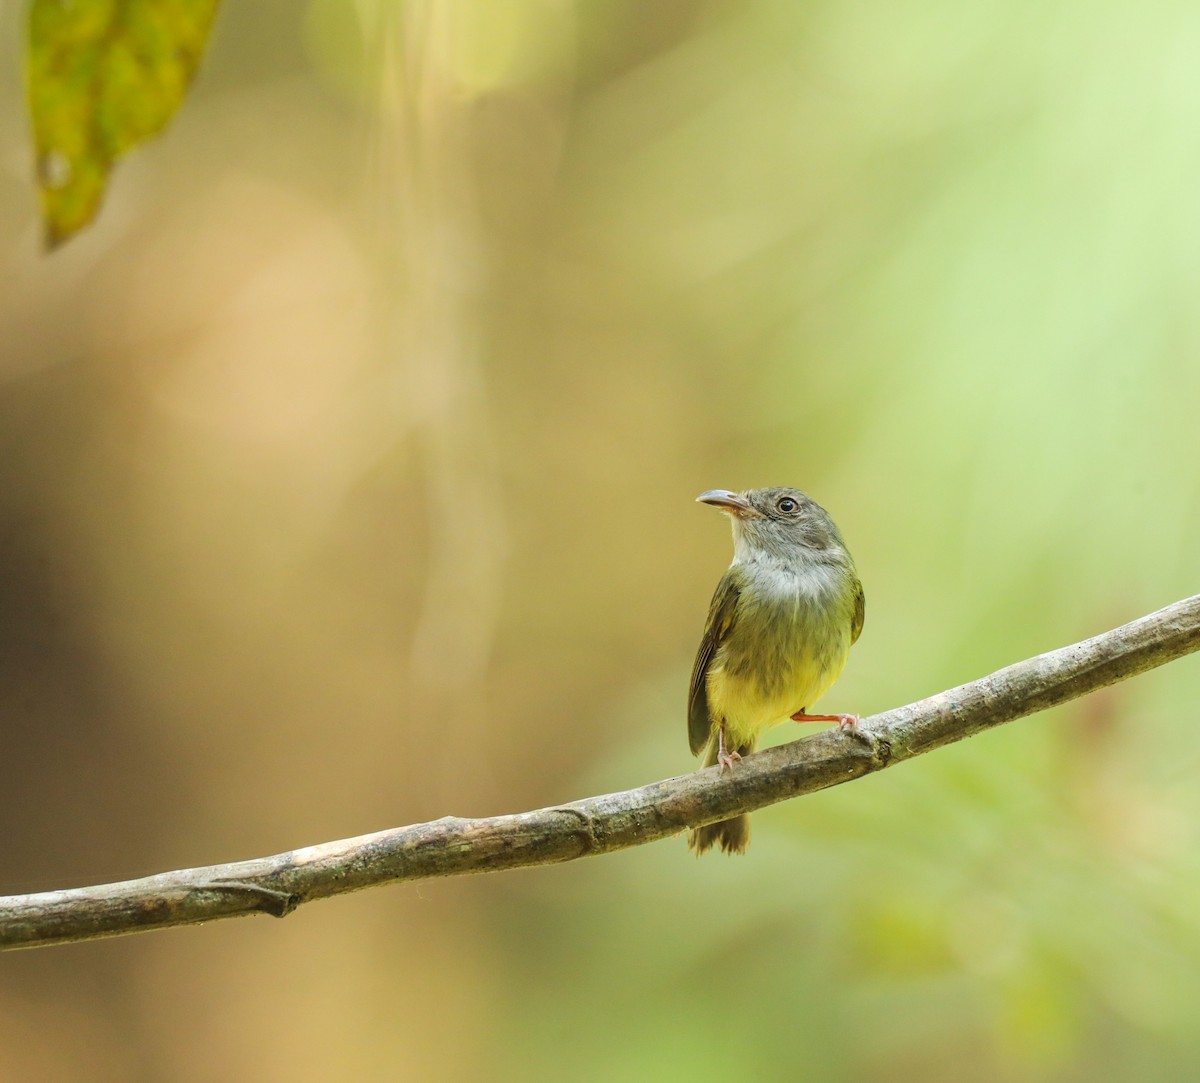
[[851, 728], [726, 759]]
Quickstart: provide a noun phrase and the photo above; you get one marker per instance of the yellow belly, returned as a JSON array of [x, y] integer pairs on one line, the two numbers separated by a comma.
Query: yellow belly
[[750, 705]]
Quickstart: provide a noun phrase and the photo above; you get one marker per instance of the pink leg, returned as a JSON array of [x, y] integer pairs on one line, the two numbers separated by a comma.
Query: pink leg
[[725, 758]]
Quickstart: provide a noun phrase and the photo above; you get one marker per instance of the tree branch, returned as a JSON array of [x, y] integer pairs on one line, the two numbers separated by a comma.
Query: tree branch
[[453, 846]]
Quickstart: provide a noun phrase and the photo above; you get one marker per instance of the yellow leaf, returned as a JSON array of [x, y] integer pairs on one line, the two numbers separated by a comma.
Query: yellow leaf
[[103, 75]]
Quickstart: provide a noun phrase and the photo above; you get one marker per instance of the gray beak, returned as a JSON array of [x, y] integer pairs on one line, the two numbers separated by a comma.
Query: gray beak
[[726, 501]]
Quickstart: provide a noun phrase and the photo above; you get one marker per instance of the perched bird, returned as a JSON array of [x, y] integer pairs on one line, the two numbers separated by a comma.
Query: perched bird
[[779, 631]]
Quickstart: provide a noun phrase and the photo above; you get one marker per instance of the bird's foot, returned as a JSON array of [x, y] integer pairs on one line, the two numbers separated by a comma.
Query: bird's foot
[[845, 721], [848, 723], [727, 759], [849, 726]]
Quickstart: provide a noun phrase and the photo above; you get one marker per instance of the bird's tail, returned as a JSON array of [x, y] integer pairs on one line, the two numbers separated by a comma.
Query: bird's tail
[[731, 835]]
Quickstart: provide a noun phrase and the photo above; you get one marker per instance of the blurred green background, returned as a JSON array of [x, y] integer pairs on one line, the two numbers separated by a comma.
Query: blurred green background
[[347, 481]]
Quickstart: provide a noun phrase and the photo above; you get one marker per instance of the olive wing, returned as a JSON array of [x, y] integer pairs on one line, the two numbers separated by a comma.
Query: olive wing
[[722, 612], [860, 612]]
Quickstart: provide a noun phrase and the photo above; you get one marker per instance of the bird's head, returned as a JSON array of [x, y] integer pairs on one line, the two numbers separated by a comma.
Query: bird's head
[[777, 523]]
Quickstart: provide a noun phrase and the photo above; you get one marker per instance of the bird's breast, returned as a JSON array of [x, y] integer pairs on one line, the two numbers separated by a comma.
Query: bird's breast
[[787, 646]]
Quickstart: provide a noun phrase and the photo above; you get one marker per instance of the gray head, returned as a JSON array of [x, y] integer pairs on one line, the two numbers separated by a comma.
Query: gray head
[[778, 523]]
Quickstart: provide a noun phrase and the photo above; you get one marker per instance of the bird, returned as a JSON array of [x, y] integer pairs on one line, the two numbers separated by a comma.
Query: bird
[[779, 630]]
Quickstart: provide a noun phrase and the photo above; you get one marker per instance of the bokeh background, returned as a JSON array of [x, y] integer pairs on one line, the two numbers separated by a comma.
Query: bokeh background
[[346, 481]]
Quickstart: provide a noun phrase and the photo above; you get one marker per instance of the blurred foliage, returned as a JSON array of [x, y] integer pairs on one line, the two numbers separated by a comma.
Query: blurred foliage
[[103, 75], [347, 481]]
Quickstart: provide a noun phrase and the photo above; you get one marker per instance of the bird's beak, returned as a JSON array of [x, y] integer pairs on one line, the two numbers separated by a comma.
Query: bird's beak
[[726, 501]]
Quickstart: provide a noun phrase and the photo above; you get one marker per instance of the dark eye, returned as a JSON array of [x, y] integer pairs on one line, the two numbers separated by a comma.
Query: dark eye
[[786, 505]]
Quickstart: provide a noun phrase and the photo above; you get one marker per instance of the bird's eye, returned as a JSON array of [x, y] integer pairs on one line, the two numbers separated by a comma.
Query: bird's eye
[[786, 505]]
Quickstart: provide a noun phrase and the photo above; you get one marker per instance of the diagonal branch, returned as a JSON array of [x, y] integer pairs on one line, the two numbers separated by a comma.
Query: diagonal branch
[[453, 846]]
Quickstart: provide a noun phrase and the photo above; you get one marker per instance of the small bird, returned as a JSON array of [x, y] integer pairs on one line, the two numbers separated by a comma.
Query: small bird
[[779, 630]]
